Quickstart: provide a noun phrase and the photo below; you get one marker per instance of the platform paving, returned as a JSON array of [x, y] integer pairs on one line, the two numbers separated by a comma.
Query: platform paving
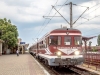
[[24, 64]]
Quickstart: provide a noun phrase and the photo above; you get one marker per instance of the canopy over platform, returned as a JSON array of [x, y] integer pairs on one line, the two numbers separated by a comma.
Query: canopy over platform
[[85, 39], [88, 38]]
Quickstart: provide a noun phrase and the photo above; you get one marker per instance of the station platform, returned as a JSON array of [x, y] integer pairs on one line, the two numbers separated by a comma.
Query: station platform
[[24, 64]]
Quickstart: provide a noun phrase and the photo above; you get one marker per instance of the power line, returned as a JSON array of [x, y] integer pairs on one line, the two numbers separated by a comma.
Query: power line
[[94, 33], [59, 9], [93, 11], [51, 18], [45, 20], [88, 20], [92, 28], [80, 5], [89, 13]]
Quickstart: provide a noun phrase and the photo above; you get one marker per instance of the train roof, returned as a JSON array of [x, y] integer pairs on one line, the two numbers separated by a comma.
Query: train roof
[[64, 29], [59, 29]]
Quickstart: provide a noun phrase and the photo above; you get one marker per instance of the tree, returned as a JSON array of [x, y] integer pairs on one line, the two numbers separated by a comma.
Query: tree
[[98, 39], [94, 49], [90, 43], [9, 33]]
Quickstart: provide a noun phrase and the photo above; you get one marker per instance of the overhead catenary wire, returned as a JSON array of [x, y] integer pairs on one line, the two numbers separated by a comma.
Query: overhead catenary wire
[[92, 11], [93, 28], [50, 20], [88, 14], [89, 20], [92, 19], [95, 33], [45, 20], [81, 23]]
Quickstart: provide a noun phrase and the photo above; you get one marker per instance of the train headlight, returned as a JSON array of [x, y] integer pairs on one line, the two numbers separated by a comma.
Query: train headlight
[[58, 54], [77, 52]]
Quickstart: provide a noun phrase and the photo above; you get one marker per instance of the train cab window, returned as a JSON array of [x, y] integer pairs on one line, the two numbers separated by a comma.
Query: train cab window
[[77, 40], [55, 40], [67, 40]]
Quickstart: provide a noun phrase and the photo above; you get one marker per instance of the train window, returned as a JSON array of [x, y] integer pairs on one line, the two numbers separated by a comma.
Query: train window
[[67, 40], [77, 40], [55, 40]]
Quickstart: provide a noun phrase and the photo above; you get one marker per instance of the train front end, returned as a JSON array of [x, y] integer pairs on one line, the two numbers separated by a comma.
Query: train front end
[[65, 46]]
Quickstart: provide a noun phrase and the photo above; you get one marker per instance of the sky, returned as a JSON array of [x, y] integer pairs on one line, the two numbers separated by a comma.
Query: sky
[[27, 15]]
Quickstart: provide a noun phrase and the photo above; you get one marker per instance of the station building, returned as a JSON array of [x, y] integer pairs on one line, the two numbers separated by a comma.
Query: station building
[[22, 47]]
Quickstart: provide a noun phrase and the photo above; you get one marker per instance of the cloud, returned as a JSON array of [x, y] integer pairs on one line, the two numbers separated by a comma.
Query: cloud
[[27, 16], [24, 11], [21, 3]]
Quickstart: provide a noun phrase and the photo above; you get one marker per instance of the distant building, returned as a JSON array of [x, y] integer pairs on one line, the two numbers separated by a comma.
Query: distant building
[[22, 46], [19, 40]]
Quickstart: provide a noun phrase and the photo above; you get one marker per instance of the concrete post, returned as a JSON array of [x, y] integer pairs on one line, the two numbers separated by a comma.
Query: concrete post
[[0, 48], [22, 49]]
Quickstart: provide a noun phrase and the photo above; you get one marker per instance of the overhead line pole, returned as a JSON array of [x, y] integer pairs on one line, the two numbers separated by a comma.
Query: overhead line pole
[[71, 21], [37, 46]]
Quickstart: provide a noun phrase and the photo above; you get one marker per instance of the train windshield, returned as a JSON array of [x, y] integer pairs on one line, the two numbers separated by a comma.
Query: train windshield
[[55, 40], [67, 40], [77, 40]]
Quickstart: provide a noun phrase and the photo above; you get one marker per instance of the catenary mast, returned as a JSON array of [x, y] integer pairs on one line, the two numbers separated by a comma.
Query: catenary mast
[[71, 21]]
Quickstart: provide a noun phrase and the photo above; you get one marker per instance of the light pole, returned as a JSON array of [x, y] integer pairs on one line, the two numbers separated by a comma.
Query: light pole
[[37, 46]]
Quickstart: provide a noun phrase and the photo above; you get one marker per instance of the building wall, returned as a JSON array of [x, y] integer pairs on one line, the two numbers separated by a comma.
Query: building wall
[[19, 40]]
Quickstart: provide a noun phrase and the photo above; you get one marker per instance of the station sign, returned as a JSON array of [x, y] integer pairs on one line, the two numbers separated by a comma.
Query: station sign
[[22, 42]]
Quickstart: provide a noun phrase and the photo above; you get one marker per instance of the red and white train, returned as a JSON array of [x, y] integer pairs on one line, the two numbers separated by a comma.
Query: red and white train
[[60, 47]]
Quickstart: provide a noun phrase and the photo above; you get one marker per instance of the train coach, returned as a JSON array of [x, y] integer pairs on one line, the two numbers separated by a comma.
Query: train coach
[[60, 47]]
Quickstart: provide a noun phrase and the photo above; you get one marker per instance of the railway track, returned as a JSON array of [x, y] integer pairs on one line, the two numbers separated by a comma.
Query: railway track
[[82, 71], [73, 70]]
